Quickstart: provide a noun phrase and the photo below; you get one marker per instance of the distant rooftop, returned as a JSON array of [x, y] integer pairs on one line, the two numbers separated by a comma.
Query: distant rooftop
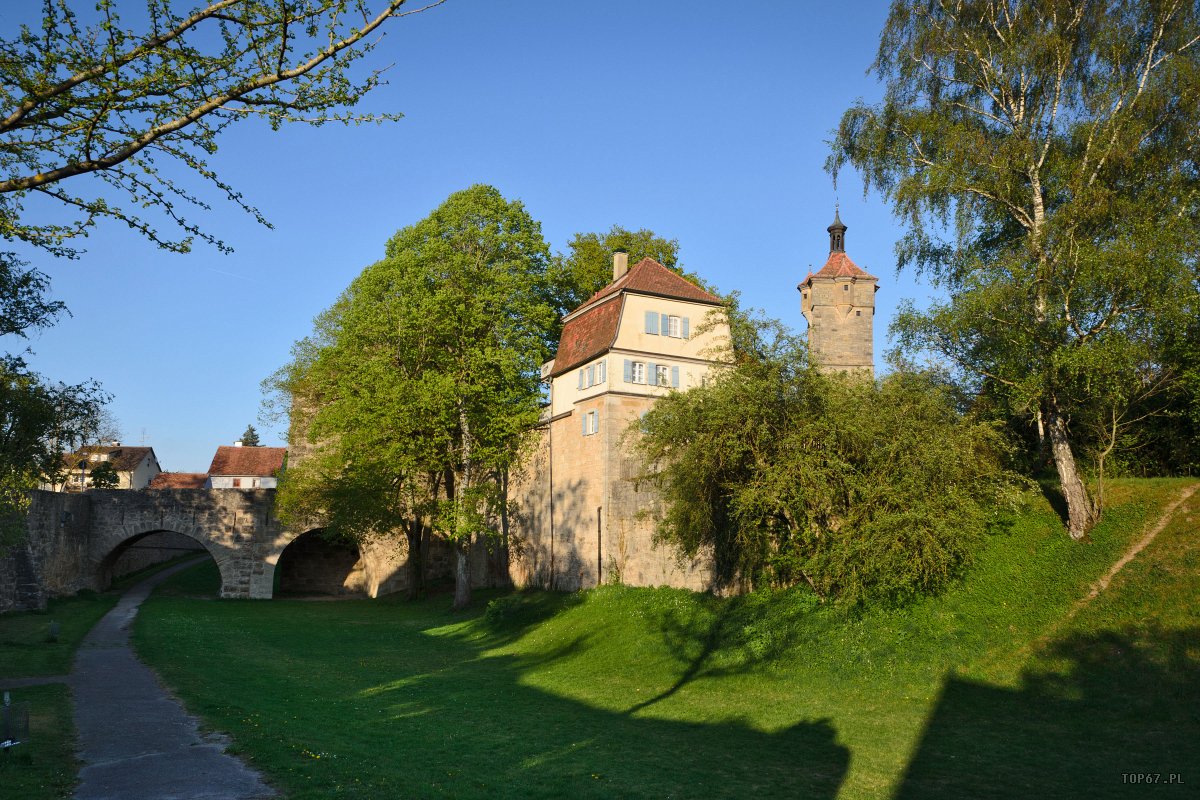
[[261, 462]]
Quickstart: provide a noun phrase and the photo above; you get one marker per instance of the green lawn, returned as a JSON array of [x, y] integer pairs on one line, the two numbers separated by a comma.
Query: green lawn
[[662, 693], [44, 766], [26, 649]]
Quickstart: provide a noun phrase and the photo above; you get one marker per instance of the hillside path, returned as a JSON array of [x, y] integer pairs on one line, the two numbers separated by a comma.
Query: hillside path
[[1099, 586], [135, 740]]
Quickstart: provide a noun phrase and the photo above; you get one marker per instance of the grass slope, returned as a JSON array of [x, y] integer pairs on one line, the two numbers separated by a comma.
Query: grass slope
[[983, 692]]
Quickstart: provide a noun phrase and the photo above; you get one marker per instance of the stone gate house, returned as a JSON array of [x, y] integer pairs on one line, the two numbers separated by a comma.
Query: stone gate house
[[634, 341], [585, 518]]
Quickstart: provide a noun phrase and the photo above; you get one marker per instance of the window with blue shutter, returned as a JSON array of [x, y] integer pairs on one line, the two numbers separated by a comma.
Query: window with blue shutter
[[652, 322], [675, 377], [603, 372], [580, 378], [686, 328], [628, 371], [591, 422], [665, 324], [652, 374]]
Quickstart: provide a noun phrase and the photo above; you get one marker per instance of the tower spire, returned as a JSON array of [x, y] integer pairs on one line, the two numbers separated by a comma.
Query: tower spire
[[837, 232]]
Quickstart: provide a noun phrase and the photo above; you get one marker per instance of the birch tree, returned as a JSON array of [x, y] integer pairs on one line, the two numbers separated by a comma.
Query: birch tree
[[1043, 157]]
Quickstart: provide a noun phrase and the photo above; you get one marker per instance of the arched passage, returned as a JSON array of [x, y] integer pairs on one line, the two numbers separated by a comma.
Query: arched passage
[[314, 565], [144, 550]]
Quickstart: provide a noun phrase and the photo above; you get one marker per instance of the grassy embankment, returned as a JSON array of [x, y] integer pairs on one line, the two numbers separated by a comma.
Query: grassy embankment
[[45, 766], [990, 690]]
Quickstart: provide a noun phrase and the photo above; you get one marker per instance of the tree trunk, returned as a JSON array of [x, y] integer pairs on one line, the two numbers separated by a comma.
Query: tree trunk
[[1082, 513], [462, 572], [414, 531]]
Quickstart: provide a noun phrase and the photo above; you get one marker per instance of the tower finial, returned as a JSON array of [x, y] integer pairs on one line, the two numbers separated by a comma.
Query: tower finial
[[837, 231]]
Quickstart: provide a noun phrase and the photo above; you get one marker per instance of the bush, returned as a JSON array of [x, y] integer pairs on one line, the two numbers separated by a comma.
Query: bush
[[865, 490]]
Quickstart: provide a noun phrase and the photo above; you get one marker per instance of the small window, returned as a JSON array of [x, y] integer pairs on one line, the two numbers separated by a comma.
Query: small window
[[858, 313], [675, 327], [846, 287], [591, 423], [237, 483], [662, 375], [638, 374]]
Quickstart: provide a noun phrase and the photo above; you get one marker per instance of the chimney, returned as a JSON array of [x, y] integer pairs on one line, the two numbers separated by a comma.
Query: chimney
[[620, 263], [238, 443]]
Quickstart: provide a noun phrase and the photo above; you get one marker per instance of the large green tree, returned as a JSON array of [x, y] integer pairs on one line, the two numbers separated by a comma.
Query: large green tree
[[587, 266], [419, 387], [1043, 156]]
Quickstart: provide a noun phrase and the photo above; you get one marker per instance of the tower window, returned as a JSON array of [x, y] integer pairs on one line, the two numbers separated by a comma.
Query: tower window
[[846, 288], [858, 313]]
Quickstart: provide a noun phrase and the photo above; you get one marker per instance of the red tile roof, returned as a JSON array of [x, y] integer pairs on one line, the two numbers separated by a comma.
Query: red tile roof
[[261, 462], [591, 329], [123, 459], [178, 480], [588, 335], [839, 265], [650, 277]]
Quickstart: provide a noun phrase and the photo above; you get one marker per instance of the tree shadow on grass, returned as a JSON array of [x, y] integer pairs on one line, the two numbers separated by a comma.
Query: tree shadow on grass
[[731, 636], [1094, 712], [514, 740], [402, 700]]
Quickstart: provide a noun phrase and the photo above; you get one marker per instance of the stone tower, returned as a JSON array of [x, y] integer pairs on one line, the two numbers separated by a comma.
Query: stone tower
[[838, 301]]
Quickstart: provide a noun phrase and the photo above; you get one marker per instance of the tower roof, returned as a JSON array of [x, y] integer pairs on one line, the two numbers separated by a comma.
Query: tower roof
[[838, 265]]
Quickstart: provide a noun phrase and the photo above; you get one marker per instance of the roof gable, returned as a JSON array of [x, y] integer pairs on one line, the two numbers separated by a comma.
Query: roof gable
[[650, 277], [591, 329], [260, 462]]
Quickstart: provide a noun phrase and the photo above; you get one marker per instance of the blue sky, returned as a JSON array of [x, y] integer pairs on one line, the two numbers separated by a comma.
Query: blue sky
[[707, 122]]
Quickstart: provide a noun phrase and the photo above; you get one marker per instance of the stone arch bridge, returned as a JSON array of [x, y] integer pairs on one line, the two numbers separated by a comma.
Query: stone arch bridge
[[73, 542]]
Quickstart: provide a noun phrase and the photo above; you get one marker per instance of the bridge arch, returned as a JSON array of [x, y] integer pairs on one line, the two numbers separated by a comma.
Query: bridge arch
[[305, 562], [160, 545], [311, 563]]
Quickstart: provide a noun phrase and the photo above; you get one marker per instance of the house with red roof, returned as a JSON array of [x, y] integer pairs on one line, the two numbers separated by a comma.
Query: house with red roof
[[647, 333], [239, 467]]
